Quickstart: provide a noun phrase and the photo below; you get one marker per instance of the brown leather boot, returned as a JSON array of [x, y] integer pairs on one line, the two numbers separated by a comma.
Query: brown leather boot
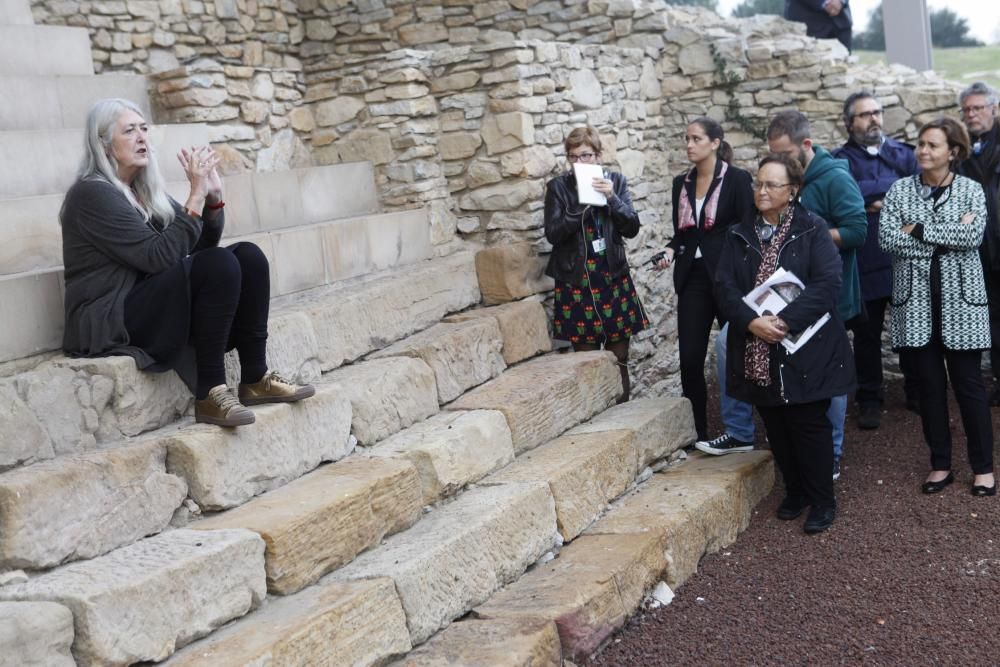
[[221, 408], [272, 388]]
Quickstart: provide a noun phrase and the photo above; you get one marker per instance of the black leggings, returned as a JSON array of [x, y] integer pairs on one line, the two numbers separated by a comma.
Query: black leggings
[[230, 297], [696, 310]]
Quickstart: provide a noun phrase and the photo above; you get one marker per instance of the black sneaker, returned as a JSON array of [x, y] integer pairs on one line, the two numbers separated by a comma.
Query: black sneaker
[[724, 444], [836, 469], [819, 519], [869, 416]]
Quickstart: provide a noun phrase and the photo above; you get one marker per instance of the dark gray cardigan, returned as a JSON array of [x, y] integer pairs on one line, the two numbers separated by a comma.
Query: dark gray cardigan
[[107, 249]]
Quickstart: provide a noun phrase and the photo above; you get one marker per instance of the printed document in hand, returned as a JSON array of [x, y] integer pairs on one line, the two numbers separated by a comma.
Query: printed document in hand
[[585, 175], [773, 295]]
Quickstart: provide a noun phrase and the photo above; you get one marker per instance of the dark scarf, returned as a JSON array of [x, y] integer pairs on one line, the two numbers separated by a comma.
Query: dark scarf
[[758, 353]]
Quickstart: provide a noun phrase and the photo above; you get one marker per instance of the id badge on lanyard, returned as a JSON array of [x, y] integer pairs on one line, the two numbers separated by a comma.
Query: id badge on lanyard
[[598, 244]]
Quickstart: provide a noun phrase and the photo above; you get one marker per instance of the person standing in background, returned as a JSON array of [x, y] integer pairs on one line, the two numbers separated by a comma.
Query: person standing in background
[[824, 19]]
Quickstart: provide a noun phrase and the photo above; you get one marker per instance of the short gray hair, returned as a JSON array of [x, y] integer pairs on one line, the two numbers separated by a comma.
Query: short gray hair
[[979, 88]]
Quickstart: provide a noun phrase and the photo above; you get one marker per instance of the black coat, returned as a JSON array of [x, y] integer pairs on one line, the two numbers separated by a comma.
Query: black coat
[[823, 367], [735, 206], [819, 24], [564, 223], [985, 168]]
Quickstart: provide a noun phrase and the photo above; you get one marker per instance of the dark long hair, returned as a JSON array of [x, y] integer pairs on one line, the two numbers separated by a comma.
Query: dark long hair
[[713, 130]]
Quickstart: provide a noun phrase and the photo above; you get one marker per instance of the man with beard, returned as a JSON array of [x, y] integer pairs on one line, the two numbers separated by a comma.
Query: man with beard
[[831, 193], [876, 162], [978, 104], [824, 19]]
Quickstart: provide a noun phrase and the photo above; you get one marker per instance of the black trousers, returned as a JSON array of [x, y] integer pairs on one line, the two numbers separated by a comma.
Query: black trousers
[[963, 368], [696, 309], [993, 295], [802, 444], [868, 356]]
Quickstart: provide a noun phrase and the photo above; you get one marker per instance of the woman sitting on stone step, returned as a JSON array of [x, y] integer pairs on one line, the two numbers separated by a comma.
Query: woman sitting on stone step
[[145, 276], [595, 300]]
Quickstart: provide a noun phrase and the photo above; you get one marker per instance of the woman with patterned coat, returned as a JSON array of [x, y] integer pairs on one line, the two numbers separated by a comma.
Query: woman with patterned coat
[[932, 224]]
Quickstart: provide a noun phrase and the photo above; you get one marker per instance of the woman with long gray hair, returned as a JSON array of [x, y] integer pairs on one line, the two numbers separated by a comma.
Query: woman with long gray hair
[[145, 276]]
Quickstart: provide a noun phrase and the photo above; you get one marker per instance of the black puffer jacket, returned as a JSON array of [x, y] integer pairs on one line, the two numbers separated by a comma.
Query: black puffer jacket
[[823, 367], [564, 222]]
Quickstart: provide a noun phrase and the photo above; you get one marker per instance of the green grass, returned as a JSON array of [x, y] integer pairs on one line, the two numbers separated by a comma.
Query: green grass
[[978, 63]]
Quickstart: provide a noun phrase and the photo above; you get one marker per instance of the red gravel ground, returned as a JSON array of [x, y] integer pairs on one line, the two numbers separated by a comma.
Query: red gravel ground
[[900, 579]]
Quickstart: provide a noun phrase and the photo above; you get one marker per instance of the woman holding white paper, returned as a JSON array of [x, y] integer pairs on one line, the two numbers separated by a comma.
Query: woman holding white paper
[[791, 391], [595, 299]]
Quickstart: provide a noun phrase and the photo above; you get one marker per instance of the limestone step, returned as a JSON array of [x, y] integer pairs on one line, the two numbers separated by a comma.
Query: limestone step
[[32, 49], [40, 162], [462, 355], [35, 634], [31, 313], [511, 272], [459, 554], [496, 643], [15, 12], [355, 623], [324, 519], [523, 325], [451, 450], [144, 601], [56, 102], [544, 397], [659, 531]]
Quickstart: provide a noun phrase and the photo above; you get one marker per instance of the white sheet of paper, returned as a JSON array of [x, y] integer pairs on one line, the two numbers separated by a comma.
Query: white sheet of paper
[[585, 175]]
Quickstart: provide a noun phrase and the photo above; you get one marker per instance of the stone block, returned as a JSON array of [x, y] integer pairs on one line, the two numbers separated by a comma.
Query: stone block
[[693, 509], [584, 472], [356, 623], [386, 395], [415, 34], [589, 591], [511, 272], [335, 192], [461, 355], [227, 467], [451, 449], [143, 601], [523, 325], [506, 131], [298, 259], [324, 519], [453, 82], [352, 319], [84, 505], [24, 441], [661, 426], [35, 634], [499, 643], [34, 302], [458, 145], [544, 397], [338, 111], [584, 91], [503, 196], [458, 555]]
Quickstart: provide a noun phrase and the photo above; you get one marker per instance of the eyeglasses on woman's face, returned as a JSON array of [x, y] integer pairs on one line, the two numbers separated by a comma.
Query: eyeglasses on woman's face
[[581, 157], [768, 186]]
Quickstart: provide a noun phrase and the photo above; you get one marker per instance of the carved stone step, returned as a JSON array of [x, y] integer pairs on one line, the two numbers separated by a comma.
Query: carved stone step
[[35, 634], [523, 325], [499, 643]]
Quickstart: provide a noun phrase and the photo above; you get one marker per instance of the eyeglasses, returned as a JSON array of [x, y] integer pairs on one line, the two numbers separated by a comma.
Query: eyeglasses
[[978, 108], [581, 157], [768, 186], [868, 115]]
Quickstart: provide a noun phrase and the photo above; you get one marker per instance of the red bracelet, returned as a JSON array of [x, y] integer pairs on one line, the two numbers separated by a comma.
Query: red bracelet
[[217, 206]]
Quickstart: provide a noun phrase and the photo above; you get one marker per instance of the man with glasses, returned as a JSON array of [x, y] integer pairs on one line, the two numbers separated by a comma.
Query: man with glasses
[[978, 104], [824, 19], [876, 162]]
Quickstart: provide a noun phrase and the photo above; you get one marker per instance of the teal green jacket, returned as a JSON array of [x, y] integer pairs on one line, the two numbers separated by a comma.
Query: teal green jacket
[[832, 193]]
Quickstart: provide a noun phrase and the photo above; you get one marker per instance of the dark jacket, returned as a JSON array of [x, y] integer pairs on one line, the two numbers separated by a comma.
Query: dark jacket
[[819, 24], [831, 193], [735, 206], [564, 222], [985, 169], [107, 249], [874, 175], [824, 366]]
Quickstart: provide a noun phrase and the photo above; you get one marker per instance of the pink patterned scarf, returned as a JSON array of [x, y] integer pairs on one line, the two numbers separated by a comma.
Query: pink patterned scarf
[[685, 214]]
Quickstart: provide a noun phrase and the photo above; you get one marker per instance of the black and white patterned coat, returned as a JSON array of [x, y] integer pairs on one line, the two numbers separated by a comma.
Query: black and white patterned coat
[[965, 323]]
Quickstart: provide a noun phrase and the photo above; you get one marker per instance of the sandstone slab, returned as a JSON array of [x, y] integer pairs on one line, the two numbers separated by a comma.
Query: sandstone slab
[[323, 520], [584, 472], [85, 505], [32, 443], [356, 623], [544, 397], [510, 272], [35, 634], [523, 325], [386, 395], [506, 131], [226, 467], [498, 643], [462, 355], [696, 508], [457, 556], [661, 425], [143, 601], [356, 317], [589, 591], [451, 449]]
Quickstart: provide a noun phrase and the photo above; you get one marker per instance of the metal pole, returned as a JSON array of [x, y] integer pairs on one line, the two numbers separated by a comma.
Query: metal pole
[[908, 33]]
